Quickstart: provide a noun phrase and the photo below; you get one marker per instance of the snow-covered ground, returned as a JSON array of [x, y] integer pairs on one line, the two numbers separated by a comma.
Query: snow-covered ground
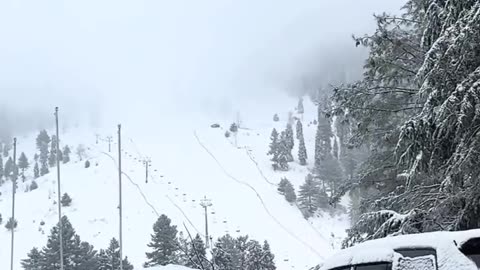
[[190, 160]]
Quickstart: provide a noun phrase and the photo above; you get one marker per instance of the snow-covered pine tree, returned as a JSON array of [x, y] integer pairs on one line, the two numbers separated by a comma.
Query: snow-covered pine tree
[[197, 254], [254, 256], [44, 169], [302, 150], [109, 259], [11, 224], [308, 196], [268, 259], [284, 153], [300, 108], [1, 169], [183, 249], [290, 141], [33, 260], [276, 118], [286, 188], [223, 253], [281, 185], [23, 164], [416, 108], [289, 193], [233, 128], [6, 150], [66, 200], [323, 145], [77, 255], [273, 147], [42, 139], [164, 243], [8, 171], [52, 158], [36, 171], [66, 154], [299, 129], [33, 186]]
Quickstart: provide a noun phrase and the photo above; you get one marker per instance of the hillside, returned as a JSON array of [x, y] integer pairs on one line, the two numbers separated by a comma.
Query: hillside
[[193, 162]]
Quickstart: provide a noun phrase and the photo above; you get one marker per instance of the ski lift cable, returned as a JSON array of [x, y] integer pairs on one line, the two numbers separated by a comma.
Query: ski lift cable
[[149, 204], [258, 196]]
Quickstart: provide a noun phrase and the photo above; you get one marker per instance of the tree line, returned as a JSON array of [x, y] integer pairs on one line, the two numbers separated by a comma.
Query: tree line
[[167, 246], [415, 112]]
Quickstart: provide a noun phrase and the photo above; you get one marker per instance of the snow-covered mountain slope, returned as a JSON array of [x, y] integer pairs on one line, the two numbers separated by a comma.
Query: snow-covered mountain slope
[[190, 160]]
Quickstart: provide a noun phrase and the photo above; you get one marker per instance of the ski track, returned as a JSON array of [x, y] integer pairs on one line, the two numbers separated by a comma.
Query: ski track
[[258, 196]]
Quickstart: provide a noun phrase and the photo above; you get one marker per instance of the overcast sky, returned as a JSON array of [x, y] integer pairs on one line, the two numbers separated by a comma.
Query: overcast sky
[[89, 53]]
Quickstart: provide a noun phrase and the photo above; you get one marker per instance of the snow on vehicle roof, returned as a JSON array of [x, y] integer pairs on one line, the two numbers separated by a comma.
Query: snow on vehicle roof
[[382, 250]]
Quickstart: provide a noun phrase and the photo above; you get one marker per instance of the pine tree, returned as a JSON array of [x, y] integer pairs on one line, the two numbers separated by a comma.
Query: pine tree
[[225, 254], [2, 172], [33, 185], [109, 259], [268, 259], [289, 193], [52, 159], [300, 108], [290, 141], [66, 154], [6, 149], [42, 139], [299, 129], [323, 146], [283, 153], [273, 151], [307, 197], [33, 261], [8, 171], [233, 128], [36, 171], [283, 183], [302, 151], [331, 173], [44, 169], [164, 243], [23, 164], [197, 254], [276, 118], [254, 256], [184, 247], [77, 255], [66, 200], [11, 224]]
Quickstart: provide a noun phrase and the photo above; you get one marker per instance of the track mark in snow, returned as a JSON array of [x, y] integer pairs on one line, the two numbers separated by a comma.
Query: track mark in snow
[[258, 196], [135, 184], [146, 200], [258, 167], [185, 215]]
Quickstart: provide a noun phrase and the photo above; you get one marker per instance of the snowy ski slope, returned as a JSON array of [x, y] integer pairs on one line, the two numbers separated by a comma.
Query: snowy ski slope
[[188, 164]]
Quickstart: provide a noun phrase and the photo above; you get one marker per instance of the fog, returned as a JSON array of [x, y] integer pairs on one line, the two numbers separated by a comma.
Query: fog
[[98, 58]]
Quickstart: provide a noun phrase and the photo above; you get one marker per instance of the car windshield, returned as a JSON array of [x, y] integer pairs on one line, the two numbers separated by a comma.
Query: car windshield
[[416, 252], [471, 249], [374, 266]]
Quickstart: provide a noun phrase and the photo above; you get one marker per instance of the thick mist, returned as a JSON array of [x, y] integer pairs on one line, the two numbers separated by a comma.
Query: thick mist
[[102, 60]]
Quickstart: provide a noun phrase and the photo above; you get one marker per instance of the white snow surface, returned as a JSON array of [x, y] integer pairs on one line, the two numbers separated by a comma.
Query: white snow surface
[[190, 160]]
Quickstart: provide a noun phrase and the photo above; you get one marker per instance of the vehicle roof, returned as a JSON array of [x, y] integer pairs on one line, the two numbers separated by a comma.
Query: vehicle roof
[[382, 250]]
